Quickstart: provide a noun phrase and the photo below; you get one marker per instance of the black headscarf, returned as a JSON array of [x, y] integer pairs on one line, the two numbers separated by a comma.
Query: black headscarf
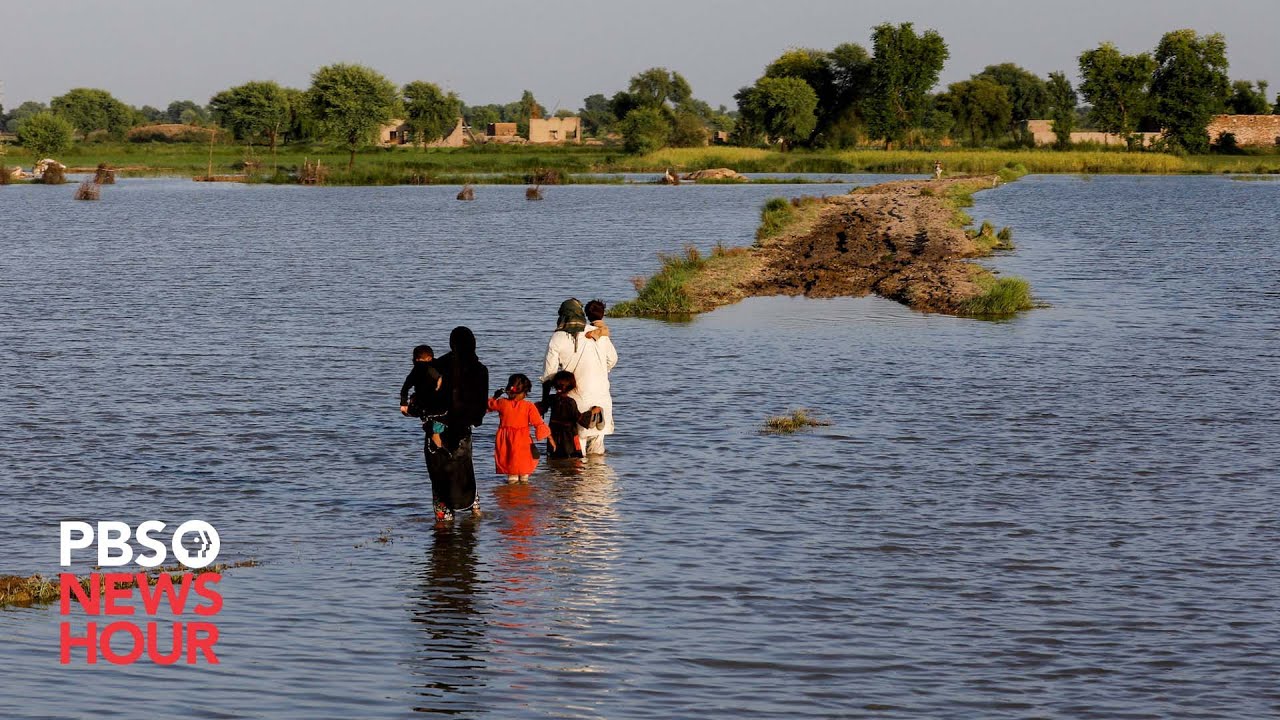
[[466, 379]]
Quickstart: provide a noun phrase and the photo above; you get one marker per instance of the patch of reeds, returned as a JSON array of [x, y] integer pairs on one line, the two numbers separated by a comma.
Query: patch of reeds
[[665, 292], [53, 175], [467, 193], [999, 298], [104, 175], [989, 240], [533, 193], [546, 176], [4, 175], [88, 190], [792, 422]]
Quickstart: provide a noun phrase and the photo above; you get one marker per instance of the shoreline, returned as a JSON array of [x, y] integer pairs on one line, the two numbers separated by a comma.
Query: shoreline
[[903, 240]]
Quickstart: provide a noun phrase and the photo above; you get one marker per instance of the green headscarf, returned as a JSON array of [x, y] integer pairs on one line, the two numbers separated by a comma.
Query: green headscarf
[[572, 319]]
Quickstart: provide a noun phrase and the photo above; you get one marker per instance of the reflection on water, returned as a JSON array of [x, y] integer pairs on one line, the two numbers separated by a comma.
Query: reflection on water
[[452, 659], [1068, 515]]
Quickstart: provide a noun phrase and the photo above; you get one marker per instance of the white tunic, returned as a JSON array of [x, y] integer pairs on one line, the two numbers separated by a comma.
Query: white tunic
[[590, 364]]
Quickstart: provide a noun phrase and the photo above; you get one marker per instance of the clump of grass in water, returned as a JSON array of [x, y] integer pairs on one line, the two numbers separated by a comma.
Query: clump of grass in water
[[18, 591], [988, 240], [664, 293], [1000, 298], [793, 422]]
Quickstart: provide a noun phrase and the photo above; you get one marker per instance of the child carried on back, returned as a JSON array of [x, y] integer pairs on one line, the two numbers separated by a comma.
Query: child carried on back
[[565, 419]]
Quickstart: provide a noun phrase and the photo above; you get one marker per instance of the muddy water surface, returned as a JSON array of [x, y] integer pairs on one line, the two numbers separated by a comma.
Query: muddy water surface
[[1071, 514]]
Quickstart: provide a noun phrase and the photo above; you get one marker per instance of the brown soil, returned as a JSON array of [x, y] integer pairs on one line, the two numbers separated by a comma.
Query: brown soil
[[888, 239]]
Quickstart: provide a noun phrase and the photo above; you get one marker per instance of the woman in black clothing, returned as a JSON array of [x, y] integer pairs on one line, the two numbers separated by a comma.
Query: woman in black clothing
[[466, 390]]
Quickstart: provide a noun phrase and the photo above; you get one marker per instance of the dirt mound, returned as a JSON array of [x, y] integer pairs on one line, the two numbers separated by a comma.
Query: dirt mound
[[898, 240], [715, 174]]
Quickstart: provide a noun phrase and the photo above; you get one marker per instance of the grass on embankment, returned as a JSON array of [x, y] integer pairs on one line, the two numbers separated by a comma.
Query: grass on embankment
[[20, 591], [691, 282], [955, 162]]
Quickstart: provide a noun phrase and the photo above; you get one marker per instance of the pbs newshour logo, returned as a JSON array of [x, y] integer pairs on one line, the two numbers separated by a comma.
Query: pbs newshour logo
[[120, 597]]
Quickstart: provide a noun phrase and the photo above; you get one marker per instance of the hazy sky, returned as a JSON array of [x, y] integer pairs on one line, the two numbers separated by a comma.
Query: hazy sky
[[150, 52]]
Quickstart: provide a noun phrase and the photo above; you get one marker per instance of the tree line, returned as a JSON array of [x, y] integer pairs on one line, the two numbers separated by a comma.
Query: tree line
[[840, 98]]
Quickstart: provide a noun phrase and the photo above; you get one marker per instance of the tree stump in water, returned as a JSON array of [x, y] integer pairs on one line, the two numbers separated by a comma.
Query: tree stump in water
[[533, 193], [467, 193]]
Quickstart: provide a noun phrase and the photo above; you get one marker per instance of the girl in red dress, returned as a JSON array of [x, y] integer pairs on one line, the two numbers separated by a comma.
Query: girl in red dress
[[513, 449]]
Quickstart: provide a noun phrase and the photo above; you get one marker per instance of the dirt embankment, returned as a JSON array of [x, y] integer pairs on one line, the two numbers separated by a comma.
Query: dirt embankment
[[899, 240]]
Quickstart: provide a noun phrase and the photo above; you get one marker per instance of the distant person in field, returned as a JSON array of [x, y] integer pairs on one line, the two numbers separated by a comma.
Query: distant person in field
[[589, 354]]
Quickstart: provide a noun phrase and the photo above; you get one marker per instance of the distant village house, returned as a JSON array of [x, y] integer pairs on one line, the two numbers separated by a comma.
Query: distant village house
[[397, 132], [1249, 130]]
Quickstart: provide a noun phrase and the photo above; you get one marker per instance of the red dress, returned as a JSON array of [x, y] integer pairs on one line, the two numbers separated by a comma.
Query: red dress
[[511, 450]]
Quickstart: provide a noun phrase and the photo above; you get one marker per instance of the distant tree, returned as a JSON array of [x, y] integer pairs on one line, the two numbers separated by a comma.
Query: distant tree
[[1245, 100], [622, 103], [186, 112], [256, 110], [302, 125], [688, 130], [528, 109], [479, 116], [564, 113], [783, 108], [645, 130], [843, 124], [904, 67], [430, 112], [1062, 108], [657, 86], [22, 112], [981, 107], [152, 114], [1275, 109], [89, 110], [45, 134], [1115, 85], [1028, 96], [350, 103], [1189, 86], [597, 116]]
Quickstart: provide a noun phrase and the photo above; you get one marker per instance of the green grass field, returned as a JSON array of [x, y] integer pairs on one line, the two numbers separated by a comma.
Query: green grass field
[[518, 164]]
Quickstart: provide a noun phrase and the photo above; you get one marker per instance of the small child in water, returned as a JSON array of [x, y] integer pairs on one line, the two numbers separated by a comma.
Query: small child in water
[[513, 449], [425, 381], [565, 419]]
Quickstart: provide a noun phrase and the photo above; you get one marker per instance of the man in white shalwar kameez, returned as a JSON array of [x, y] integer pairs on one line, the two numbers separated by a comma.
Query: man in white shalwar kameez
[[589, 355]]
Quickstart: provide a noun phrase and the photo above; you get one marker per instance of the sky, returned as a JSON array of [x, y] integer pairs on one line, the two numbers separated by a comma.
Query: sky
[[152, 52]]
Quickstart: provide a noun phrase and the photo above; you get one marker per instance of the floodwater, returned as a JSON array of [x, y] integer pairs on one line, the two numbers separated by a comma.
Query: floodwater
[[1071, 514]]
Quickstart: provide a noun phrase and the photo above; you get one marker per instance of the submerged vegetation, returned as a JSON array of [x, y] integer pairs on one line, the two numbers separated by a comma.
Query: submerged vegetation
[[792, 422], [20, 591]]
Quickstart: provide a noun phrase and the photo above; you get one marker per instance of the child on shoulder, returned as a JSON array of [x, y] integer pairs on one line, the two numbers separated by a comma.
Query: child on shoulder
[[565, 419], [513, 448], [425, 403]]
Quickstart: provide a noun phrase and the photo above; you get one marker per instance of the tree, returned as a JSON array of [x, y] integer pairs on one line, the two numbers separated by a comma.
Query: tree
[[1115, 85], [255, 110], [1189, 86], [1062, 108], [350, 103], [1028, 96], [981, 107], [151, 114], [22, 112], [687, 130], [904, 67], [783, 108], [657, 86], [597, 116], [430, 112], [479, 116], [45, 134], [186, 112], [842, 124], [645, 130], [1245, 100], [89, 110], [527, 108]]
